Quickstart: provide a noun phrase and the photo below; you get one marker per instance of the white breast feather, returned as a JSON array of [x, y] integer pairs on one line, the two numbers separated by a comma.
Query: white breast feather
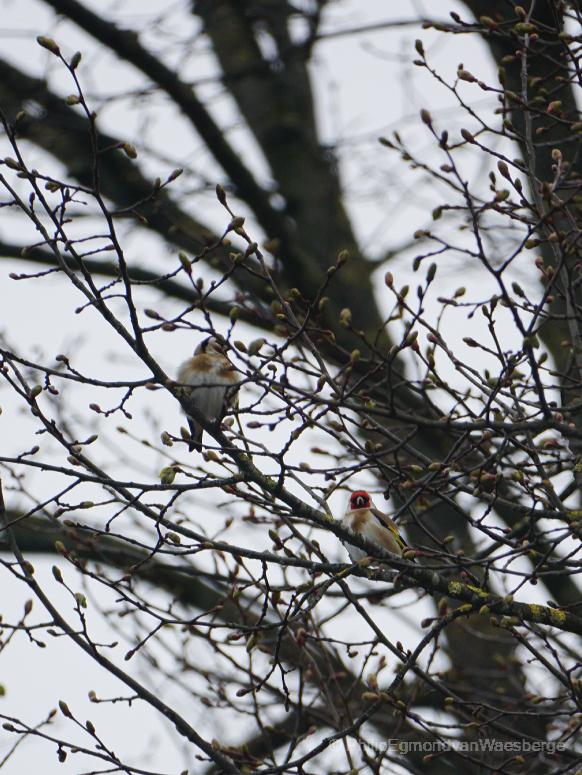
[[210, 389], [354, 552]]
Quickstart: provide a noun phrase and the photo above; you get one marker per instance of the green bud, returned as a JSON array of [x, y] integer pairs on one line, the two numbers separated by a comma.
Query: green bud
[[167, 475], [517, 289], [166, 439], [256, 345], [345, 317], [186, 263], [220, 194], [12, 163], [465, 75], [525, 28], [129, 150], [57, 574], [503, 169], [65, 709], [236, 223], [49, 44]]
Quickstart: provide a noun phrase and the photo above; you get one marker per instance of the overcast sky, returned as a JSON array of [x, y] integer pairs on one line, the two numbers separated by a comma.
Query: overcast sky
[[366, 88]]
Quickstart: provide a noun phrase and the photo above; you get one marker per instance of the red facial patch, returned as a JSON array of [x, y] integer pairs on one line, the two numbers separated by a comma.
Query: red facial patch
[[360, 500]]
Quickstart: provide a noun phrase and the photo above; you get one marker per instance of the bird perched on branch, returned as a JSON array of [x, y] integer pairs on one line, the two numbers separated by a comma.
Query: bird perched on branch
[[214, 382], [363, 518]]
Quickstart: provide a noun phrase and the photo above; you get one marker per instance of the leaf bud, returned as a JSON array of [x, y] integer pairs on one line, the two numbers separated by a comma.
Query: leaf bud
[[167, 475], [342, 257], [186, 263], [57, 574], [65, 709], [503, 169], [465, 75], [488, 22], [49, 44], [345, 317], [255, 346], [129, 150], [220, 194], [236, 223]]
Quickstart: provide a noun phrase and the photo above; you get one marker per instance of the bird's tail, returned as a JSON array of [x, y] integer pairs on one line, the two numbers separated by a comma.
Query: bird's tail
[[195, 443]]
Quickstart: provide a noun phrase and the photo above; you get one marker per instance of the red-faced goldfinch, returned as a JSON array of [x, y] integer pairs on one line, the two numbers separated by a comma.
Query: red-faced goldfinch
[[214, 382], [366, 520]]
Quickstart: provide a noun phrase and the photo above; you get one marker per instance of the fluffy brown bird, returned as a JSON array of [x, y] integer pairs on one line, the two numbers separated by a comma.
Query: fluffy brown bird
[[214, 382], [363, 518]]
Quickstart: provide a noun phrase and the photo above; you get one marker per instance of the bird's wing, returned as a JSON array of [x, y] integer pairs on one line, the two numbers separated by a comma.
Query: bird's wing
[[384, 537], [231, 398], [382, 520], [212, 380]]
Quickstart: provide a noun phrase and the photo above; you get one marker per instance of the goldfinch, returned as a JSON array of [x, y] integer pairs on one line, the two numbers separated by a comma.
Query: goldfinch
[[367, 521], [214, 382]]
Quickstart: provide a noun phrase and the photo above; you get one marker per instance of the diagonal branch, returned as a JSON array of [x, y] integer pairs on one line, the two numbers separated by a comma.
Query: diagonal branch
[[125, 44], [89, 648]]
